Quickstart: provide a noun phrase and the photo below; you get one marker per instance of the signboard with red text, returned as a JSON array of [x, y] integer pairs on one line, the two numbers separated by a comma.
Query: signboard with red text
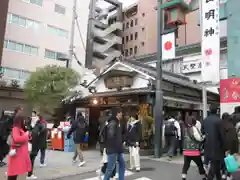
[[229, 94]]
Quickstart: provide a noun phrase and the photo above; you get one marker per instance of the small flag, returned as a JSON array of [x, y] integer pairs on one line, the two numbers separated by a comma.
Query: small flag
[[168, 46]]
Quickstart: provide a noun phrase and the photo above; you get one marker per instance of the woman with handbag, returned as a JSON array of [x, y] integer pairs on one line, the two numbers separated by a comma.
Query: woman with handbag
[[191, 148], [19, 162]]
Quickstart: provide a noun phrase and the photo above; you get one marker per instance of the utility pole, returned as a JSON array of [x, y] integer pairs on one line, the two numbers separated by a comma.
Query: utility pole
[[72, 35], [204, 100], [159, 94]]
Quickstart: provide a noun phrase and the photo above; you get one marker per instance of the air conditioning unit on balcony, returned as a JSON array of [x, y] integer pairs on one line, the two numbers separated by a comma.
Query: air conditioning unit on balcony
[[15, 83]]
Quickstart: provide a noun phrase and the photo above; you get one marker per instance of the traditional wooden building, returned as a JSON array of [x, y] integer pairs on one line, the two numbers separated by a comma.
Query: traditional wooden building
[[130, 83]]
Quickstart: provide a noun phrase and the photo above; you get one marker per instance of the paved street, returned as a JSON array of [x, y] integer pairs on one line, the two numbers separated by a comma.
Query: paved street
[[59, 164], [60, 167], [151, 170]]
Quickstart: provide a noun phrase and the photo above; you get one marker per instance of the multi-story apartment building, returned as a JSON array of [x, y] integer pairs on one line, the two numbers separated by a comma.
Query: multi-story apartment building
[[38, 33], [140, 39], [139, 22]]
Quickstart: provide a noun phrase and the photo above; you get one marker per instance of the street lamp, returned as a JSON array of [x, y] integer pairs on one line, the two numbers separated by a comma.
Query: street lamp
[[66, 59], [159, 94]]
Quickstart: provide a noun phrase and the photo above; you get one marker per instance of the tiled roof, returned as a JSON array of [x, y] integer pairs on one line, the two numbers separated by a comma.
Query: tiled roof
[[167, 76], [150, 71]]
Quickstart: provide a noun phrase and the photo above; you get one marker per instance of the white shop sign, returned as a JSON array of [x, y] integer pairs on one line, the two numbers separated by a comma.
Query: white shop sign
[[210, 40]]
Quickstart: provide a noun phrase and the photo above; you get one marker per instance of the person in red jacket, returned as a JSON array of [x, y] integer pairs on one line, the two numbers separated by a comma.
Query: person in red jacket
[[19, 162]]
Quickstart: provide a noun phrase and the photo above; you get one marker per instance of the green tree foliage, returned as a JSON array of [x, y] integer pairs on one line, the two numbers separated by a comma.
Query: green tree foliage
[[48, 86]]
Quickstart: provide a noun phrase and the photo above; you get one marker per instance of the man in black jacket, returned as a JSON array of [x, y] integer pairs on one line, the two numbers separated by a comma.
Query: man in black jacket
[[78, 129], [114, 145], [214, 143]]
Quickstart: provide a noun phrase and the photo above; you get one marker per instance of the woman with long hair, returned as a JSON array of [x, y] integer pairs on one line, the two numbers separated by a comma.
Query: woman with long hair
[[19, 162], [191, 148]]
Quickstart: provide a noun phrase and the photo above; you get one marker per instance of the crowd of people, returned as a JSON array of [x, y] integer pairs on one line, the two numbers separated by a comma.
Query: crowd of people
[[22, 138], [213, 138], [114, 135]]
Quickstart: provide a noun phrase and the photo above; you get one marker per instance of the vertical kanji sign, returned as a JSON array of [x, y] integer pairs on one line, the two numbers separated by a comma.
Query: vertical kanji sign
[[210, 40]]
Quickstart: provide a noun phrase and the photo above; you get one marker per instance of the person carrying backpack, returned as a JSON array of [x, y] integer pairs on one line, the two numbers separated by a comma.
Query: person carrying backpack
[[191, 148], [79, 130], [172, 134]]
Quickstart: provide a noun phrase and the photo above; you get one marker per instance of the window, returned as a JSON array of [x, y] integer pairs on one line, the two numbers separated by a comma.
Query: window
[[57, 31], [20, 47], [34, 51], [127, 25], [131, 23], [143, 43], [127, 39], [126, 52], [16, 74], [11, 73], [22, 21], [123, 40], [53, 55], [5, 44], [143, 14], [11, 45], [36, 2], [135, 49], [15, 19], [143, 29], [136, 21], [123, 26], [59, 9], [24, 74], [131, 37], [136, 35], [131, 51], [27, 49]]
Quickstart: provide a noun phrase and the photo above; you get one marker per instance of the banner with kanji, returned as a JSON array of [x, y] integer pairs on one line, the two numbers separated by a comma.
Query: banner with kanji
[[210, 40], [230, 90], [168, 46]]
